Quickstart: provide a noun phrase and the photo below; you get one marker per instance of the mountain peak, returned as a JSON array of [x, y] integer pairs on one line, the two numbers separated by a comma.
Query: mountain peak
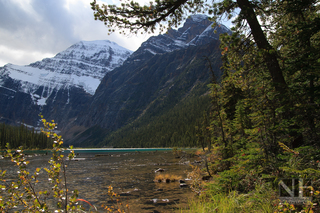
[[82, 66], [97, 52], [198, 17], [96, 43], [196, 30]]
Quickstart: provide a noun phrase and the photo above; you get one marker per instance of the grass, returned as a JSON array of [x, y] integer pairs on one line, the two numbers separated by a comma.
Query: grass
[[166, 178], [259, 201]]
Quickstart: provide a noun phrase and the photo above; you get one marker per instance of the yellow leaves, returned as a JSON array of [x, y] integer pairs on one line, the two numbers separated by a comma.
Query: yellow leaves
[[119, 206]]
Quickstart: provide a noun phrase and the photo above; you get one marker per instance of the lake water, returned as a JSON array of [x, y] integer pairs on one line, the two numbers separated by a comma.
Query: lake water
[[130, 172]]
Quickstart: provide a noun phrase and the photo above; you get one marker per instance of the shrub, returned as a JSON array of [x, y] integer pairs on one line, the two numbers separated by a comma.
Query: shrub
[[21, 194]]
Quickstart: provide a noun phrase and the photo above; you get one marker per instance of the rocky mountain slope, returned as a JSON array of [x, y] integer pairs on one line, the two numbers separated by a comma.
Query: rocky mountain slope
[[58, 86], [159, 75], [96, 102], [197, 30]]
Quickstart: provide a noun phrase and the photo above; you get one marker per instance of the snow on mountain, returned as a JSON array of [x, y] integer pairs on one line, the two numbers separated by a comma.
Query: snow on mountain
[[93, 58], [198, 17], [82, 65], [197, 30]]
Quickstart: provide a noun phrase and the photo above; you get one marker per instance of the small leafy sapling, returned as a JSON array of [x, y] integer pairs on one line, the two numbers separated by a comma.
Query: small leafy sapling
[[21, 195]]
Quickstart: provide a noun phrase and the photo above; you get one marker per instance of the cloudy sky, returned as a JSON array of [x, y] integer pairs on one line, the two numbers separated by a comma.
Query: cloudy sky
[[31, 30]]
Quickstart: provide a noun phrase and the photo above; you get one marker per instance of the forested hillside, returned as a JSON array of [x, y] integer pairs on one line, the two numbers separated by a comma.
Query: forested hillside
[[176, 127], [22, 136]]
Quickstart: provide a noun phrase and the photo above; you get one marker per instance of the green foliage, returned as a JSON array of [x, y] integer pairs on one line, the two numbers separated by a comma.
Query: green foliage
[[262, 132], [250, 114]]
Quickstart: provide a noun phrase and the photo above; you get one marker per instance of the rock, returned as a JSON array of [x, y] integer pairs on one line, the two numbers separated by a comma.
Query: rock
[[182, 181], [125, 193], [76, 159], [159, 170], [183, 185], [155, 200]]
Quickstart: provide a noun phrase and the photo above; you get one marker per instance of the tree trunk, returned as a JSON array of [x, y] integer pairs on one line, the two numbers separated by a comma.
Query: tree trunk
[[269, 54], [273, 66]]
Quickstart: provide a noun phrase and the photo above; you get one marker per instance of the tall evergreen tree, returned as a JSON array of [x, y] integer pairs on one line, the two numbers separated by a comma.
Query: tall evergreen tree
[[269, 98]]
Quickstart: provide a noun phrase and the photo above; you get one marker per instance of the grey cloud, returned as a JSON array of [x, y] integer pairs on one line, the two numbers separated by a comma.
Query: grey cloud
[[56, 16], [46, 27], [49, 29], [12, 17]]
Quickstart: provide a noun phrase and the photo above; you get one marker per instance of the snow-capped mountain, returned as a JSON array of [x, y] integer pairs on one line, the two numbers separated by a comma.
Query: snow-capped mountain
[[86, 58], [50, 84], [82, 65]]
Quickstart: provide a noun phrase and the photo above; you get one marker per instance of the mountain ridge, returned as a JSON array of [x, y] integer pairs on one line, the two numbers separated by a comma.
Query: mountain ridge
[[164, 71], [127, 93], [202, 32]]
